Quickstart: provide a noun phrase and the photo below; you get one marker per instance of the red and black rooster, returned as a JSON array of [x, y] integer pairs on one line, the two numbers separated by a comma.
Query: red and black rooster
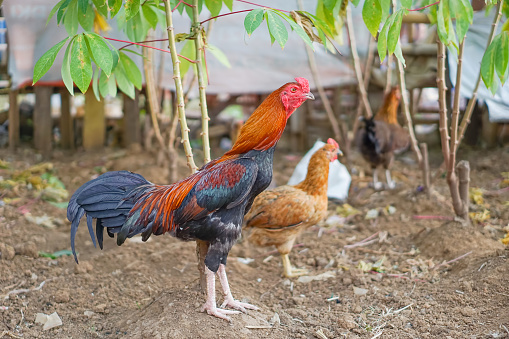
[[209, 205]]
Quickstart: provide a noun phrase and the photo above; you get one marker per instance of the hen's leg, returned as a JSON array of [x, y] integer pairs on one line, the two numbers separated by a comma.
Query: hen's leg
[[210, 304], [289, 271], [390, 183], [228, 297], [377, 185]]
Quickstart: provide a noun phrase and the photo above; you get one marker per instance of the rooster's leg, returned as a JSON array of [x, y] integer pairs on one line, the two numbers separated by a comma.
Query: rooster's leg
[[289, 271], [377, 185], [390, 183], [210, 304], [228, 297]]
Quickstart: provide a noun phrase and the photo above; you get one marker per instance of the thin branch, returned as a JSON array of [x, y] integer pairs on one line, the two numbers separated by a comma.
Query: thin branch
[[152, 93], [470, 107], [180, 2], [138, 44], [220, 15], [356, 63], [198, 43], [456, 112], [421, 8], [407, 115], [321, 91], [252, 3], [141, 42], [442, 102], [178, 89]]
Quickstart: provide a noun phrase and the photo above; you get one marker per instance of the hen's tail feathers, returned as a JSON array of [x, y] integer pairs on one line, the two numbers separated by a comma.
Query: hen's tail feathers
[[108, 198]]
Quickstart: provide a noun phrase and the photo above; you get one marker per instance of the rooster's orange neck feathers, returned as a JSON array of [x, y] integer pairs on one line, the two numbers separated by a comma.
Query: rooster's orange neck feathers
[[264, 128]]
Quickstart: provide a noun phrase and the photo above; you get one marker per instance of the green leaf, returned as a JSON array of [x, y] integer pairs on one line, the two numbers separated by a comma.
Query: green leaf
[[329, 4], [107, 86], [394, 30], [102, 7], [299, 30], [54, 10], [462, 12], [253, 20], [488, 67], [407, 4], [123, 83], [81, 67], [114, 6], [150, 15], [66, 69], [95, 85], [276, 28], [131, 70], [132, 8], [61, 11], [502, 55], [188, 51], [63, 204], [372, 15], [214, 6], [382, 40], [219, 55], [355, 2], [100, 52], [229, 4], [86, 20], [46, 61], [83, 6], [399, 54], [71, 18]]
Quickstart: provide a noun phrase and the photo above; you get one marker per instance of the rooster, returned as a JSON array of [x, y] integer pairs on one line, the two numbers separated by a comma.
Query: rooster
[[278, 216], [382, 136], [209, 205]]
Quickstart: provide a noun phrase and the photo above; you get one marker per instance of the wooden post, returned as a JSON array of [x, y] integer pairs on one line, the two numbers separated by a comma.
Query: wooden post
[[66, 121], [42, 120], [131, 120], [13, 120], [94, 124]]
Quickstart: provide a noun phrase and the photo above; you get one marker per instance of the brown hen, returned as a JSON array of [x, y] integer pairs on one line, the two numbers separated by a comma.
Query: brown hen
[[278, 216]]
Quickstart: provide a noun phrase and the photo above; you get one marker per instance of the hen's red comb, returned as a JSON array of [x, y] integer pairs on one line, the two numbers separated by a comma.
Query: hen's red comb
[[304, 83], [333, 142]]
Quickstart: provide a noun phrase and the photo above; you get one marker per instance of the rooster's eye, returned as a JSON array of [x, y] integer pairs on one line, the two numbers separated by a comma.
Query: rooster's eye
[[293, 90]]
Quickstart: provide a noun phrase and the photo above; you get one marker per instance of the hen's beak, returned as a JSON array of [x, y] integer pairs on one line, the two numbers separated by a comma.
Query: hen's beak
[[309, 96], [340, 154]]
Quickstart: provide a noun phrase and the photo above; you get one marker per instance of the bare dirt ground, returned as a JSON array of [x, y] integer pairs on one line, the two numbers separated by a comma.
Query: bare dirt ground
[[397, 284]]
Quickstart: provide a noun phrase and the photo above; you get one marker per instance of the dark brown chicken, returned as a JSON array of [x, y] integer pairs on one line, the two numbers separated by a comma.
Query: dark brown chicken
[[382, 136], [278, 216]]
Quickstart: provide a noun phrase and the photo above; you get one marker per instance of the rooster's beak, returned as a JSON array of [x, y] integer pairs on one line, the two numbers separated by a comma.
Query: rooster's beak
[[309, 96]]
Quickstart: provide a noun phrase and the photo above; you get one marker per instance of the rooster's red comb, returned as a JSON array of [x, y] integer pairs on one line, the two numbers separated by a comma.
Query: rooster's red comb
[[304, 83], [333, 142]]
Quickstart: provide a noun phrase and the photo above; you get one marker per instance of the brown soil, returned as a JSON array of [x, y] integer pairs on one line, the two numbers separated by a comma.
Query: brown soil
[[149, 290]]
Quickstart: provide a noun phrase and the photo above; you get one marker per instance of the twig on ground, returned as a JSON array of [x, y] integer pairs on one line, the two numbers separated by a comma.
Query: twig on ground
[[453, 260], [362, 242], [10, 334], [481, 267], [433, 217], [24, 290]]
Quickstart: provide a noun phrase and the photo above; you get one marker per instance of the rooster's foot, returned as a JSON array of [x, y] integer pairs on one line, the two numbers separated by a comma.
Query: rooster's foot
[[377, 186], [218, 312], [235, 304]]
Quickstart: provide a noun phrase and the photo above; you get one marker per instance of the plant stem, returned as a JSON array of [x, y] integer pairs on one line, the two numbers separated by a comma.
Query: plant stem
[[425, 169], [151, 91], [198, 43], [470, 107], [356, 63], [388, 76], [178, 88], [456, 112], [421, 8], [407, 115], [323, 96], [442, 102], [218, 16], [452, 179]]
